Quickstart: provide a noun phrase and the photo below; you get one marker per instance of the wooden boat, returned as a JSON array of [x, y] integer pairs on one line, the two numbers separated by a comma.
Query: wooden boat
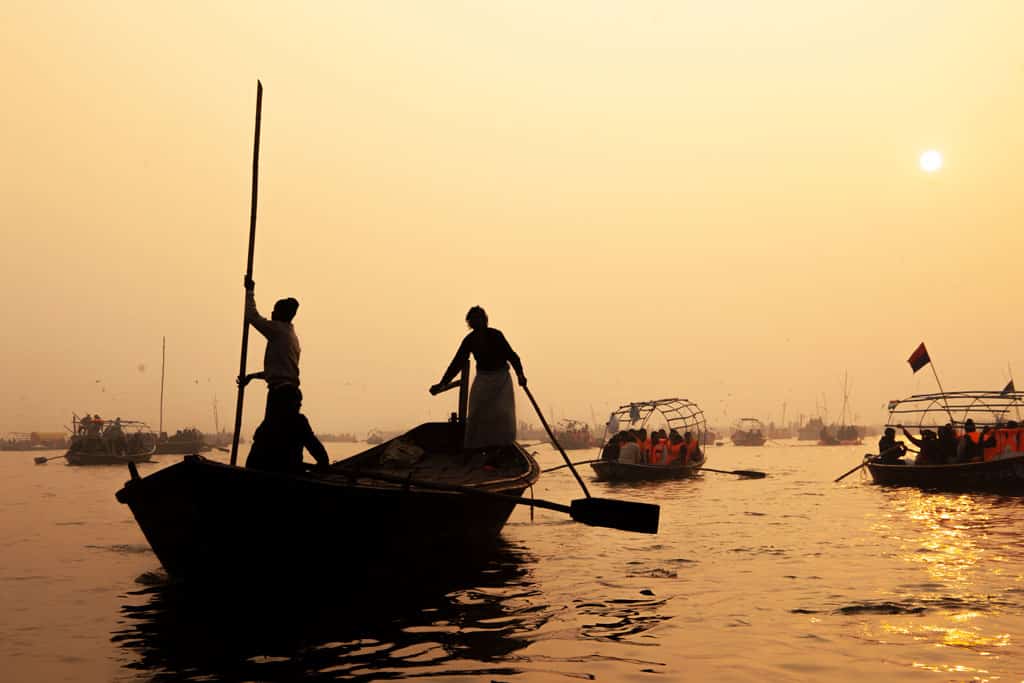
[[678, 414], [610, 470], [1001, 471], [1005, 475], [181, 442], [206, 519], [749, 432], [573, 435], [90, 446]]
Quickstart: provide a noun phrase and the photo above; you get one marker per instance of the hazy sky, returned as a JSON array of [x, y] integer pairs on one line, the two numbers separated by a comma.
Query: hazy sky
[[720, 201]]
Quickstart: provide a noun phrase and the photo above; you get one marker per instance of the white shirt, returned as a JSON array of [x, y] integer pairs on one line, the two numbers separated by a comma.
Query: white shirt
[[281, 359]]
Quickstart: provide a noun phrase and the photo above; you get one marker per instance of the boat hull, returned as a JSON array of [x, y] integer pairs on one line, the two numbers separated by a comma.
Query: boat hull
[[1005, 475], [610, 470], [747, 440], [206, 520], [92, 458]]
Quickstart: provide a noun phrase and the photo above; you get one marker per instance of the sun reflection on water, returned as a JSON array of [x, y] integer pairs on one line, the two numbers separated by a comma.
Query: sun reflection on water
[[957, 541]]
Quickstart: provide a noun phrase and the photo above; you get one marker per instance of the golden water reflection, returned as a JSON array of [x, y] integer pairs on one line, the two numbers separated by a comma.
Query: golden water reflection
[[957, 541]]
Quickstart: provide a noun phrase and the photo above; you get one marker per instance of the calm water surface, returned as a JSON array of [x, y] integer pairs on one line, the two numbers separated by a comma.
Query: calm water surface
[[785, 578]]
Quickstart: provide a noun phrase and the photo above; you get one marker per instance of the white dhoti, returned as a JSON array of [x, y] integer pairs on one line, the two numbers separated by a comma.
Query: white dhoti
[[492, 410]]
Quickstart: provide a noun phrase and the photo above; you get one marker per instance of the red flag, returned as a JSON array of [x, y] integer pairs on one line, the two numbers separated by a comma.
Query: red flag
[[919, 358]]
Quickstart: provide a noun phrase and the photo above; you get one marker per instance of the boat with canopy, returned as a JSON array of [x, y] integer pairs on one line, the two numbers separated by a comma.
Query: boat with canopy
[[1001, 467], [94, 442], [678, 414], [749, 431]]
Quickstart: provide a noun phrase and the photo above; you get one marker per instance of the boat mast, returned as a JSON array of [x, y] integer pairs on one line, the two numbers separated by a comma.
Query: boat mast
[[163, 362]]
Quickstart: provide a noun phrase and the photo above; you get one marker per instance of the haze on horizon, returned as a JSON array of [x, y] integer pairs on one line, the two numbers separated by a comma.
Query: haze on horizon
[[650, 199]]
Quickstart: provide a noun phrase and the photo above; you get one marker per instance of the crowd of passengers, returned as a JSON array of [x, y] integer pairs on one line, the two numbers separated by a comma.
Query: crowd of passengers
[[948, 445], [636, 447]]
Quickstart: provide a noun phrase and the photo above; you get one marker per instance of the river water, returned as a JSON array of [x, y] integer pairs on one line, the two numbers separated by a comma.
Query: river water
[[787, 578]]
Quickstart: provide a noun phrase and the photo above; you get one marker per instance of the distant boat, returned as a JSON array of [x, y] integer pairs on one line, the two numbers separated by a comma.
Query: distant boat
[[573, 435], [95, 445], [811, 431], [181, 442], [749, 432]]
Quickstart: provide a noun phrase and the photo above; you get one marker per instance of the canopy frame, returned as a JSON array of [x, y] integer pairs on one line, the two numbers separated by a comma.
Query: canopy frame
[[985, 408], [681, 415]]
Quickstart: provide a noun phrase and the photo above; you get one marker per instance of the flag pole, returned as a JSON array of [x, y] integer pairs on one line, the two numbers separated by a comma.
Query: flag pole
[[945, 401]]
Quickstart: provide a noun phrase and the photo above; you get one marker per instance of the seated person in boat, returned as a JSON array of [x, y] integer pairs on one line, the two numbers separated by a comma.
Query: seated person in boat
[[947, 444], [889, 449], [492, 407], [629, 450], [929, 448], [611, 449], [278, 442], [644, 443], [972, 444], [659, 447], [691, 449]]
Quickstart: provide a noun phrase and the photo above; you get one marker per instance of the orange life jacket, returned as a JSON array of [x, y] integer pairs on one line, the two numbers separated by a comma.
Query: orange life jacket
[[691, 450], [1006, 439], [645, 449], [673, 452], [658, 452]]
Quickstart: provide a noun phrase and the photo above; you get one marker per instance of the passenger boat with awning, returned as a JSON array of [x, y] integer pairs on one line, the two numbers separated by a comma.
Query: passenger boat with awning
[[1001, 469], [677, 414]]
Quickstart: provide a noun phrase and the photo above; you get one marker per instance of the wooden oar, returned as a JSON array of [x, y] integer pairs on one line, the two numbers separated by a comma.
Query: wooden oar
[[868, 456], [844, 476], [583, 462], [605, 512], [40, 460], [616, 514], [750, 474]]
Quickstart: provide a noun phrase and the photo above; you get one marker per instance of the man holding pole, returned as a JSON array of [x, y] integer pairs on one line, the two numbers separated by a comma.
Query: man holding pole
[[281, 358]]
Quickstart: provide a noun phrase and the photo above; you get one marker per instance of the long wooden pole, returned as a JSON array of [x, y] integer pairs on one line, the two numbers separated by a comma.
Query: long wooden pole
[[248, 271], [163, 364]]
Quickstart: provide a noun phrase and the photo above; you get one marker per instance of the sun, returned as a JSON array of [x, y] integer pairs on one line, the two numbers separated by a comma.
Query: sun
[[931, 161]]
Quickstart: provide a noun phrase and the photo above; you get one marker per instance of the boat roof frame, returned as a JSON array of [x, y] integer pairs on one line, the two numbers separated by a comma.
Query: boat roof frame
[[678, 412], [986, 408]]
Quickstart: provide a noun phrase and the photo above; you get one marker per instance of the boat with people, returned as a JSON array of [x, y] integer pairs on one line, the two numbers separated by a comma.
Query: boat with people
[[95, 441], [183, 441], [969, 441], [422, 501], [408, 500], [573, 434], [652, 441], [843, 434], [749, 431]]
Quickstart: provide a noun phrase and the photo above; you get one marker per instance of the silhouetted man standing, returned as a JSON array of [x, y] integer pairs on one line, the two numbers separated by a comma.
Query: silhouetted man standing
[[281, 359]]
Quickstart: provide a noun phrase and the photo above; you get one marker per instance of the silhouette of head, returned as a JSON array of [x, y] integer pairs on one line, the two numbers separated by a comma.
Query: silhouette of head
[[687, 436], [889, 431], [476, 318], [1012, 424], [284, 310], [969, 425]]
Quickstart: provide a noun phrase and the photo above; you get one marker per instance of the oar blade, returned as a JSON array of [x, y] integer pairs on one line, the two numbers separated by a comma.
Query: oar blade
[[750, 474], [624, 515], [40, 460]]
